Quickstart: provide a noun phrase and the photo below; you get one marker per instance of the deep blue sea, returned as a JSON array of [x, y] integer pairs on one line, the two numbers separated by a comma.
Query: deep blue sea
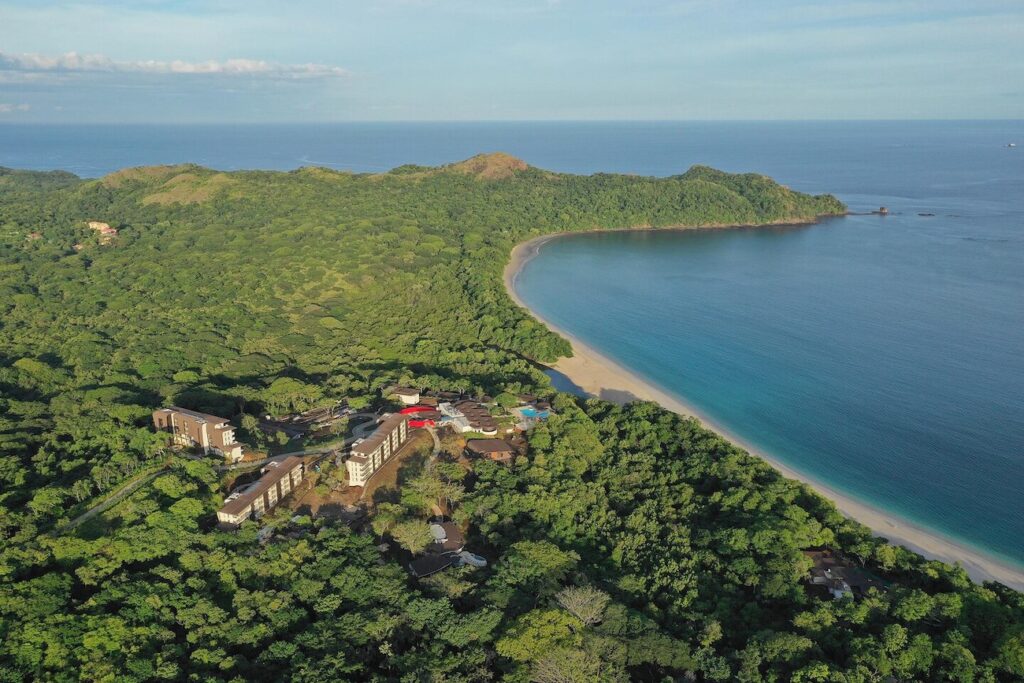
[[883, 356]]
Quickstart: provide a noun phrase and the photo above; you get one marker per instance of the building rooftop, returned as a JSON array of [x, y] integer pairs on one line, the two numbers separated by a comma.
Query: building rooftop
[[275, 472], [452, 539], [196, 414], [834, 567], [384, 429], [483, 446], [431, 564], [478, 416]]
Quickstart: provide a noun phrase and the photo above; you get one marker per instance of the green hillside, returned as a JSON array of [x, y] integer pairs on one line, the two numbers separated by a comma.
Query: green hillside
[[628, 543]]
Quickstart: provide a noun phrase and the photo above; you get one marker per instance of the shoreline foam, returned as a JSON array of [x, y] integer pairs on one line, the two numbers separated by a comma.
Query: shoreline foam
[[598, 375]]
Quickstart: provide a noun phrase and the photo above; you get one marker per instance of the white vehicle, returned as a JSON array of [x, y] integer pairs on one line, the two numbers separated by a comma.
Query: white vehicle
[[471, 559]]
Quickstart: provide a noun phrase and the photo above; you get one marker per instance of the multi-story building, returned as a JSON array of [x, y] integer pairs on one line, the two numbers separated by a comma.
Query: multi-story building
[[253, 501], [370, 454], [198, 430]]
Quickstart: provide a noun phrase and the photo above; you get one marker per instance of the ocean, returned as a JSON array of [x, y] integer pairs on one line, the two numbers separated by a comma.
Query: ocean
[[882, 356]]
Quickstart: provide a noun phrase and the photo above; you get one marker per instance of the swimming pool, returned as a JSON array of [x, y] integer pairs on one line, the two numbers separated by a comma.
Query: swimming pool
[[533, 412]]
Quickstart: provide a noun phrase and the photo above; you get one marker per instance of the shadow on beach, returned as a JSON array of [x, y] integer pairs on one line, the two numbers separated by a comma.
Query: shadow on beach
[[562, 382]]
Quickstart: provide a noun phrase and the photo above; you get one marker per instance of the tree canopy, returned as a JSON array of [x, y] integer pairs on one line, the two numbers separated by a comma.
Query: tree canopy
[[628, 543]]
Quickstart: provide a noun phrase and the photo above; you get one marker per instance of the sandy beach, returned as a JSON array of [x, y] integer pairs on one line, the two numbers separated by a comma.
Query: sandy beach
[[600, 376]]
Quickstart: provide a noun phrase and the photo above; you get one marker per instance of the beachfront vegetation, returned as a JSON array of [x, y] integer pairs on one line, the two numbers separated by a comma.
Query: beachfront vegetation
[[627, 543]]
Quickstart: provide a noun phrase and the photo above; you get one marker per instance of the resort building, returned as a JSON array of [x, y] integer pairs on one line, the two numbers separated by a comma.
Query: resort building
[[409, 397], [494, 449], [198, 430], [370, 454], [253, 501], [480, 419], [469, 416]]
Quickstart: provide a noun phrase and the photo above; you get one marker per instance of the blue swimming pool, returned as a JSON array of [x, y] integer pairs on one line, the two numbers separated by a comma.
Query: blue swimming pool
[[533, 412]]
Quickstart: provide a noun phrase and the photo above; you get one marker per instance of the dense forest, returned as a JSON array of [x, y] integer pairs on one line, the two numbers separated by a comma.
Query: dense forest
[[627, 543]]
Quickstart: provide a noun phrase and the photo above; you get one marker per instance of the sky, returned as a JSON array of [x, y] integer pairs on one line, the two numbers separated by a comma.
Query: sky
[[261, 61]]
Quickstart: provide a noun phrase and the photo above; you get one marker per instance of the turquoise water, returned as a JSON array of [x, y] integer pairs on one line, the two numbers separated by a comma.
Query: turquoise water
[[884, 357]]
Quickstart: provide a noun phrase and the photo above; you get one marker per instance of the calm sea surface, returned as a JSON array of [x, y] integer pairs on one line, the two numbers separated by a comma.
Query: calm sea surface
[[881, 356]]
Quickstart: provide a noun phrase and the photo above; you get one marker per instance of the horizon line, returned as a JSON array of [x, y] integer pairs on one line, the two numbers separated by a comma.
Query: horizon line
[[500, 121]]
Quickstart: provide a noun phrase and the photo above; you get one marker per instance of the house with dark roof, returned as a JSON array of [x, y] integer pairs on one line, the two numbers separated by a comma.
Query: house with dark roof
[[193, 429], [493, 449], [443, 551], [253, 501], [832, 573], [426, 565], [447, 537], [369, 455]]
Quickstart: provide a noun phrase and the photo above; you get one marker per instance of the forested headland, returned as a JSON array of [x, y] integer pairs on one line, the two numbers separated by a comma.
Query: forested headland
[[628, 543]]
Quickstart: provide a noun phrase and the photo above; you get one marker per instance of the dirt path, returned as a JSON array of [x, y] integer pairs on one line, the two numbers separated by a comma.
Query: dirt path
[[115, 498]]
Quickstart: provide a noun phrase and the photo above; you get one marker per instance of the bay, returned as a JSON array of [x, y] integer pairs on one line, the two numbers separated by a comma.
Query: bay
[[883, 356]]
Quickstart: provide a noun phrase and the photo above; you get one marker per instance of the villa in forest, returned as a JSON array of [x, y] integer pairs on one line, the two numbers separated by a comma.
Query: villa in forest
[[198, 430], [832, 574], [106, 232], [443, 552], [253, 501], [370, 454], [494, 449]]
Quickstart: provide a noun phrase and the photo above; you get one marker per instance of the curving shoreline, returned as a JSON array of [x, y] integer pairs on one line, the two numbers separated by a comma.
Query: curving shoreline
[[598, 375]]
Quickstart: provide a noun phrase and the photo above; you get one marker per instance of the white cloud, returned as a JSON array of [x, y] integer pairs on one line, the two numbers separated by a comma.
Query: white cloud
[[6, 108], [73, 62]]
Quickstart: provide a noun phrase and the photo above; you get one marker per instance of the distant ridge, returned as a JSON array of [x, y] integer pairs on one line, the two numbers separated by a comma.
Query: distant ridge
[[490, 166]]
